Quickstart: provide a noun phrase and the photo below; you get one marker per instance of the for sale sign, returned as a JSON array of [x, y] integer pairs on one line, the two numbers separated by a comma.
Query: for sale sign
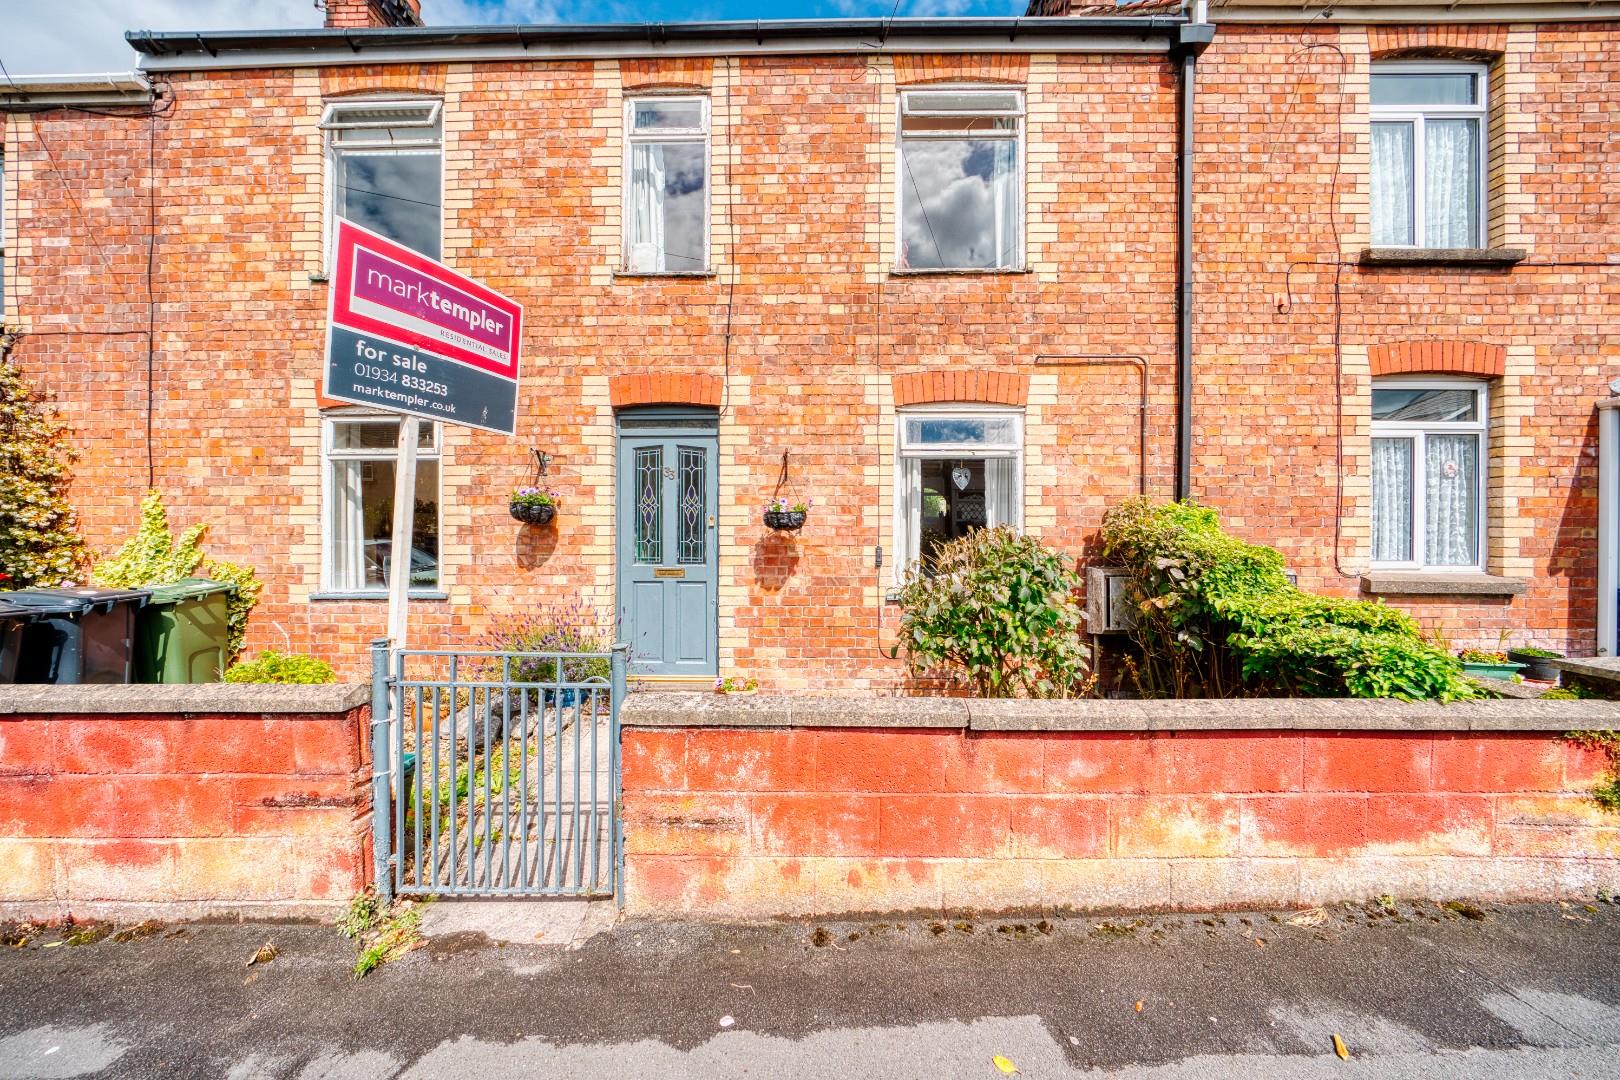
[[408, 334]]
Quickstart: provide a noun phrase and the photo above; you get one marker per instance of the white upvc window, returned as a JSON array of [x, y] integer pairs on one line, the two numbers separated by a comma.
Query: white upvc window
[[960, 189], [385, 169], [1428, 473], [666, 184], [1428, 154], [361, 452], [959, 468]]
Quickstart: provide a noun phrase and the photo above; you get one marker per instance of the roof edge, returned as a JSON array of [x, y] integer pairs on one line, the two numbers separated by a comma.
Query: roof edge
[[185, 50], [28, 92]]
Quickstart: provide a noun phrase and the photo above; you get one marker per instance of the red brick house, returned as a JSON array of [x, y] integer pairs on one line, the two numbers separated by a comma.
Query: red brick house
[[931, 274]]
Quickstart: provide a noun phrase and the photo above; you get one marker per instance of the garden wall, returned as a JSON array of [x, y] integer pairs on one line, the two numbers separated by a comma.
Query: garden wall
[[759, 806], [181, 801]]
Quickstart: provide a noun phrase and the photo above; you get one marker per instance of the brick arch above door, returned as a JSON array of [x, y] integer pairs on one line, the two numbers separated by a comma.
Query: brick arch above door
[[664, 388], [987, 387], [1438, 357]]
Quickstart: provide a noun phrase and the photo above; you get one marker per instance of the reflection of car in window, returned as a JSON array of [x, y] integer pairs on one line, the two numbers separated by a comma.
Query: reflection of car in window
[[379, 555]]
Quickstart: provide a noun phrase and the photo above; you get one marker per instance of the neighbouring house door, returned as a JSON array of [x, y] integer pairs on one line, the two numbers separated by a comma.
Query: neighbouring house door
[[667, 494]]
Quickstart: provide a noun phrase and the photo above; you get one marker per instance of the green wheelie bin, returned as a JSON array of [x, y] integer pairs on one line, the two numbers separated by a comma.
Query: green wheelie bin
[[180, 635]]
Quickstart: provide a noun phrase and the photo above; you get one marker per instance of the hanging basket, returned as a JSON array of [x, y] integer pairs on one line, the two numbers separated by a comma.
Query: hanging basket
[[785, 520], [533, 513]]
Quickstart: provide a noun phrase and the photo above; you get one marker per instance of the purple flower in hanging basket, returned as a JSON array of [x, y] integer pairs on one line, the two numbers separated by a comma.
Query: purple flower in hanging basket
[[784, 506], [533, 496]]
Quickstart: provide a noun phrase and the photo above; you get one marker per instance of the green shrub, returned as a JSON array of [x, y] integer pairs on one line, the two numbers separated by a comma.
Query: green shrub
[[285, 668], [1538, 653], [39, 537], [1216, 616], [154, 556], [996, 611]]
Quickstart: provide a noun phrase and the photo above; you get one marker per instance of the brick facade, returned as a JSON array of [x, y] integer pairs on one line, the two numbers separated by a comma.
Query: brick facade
[[804, 338], [767, 822]]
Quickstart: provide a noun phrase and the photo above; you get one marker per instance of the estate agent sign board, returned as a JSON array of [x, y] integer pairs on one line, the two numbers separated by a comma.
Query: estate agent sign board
[[408, 334]]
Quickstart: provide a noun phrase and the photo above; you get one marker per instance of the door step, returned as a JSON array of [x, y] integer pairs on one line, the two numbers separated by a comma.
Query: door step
[[695, 684]]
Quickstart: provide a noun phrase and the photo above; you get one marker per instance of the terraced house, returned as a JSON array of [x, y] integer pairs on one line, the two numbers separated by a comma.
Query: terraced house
[[1347, 273]]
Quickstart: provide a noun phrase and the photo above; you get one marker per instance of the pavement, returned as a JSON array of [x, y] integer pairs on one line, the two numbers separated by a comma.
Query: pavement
[[1422, 991]]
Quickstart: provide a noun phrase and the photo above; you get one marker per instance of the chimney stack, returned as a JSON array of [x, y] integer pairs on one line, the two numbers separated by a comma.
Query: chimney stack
[[372, 14]]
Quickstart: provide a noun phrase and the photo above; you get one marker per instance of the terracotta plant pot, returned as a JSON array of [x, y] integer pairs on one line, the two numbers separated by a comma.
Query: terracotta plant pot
[[533, 514]]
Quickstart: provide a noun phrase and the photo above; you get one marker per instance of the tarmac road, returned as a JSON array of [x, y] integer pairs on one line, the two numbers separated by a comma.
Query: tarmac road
[[1523, 993]]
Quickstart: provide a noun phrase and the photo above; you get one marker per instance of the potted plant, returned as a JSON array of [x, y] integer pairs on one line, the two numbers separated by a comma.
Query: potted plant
[[736, 684], [784, 516], [1535, 662], [534, 506], [1490, 665]]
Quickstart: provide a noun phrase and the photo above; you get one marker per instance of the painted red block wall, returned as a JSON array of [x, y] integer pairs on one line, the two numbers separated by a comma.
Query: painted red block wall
[[189, 812], [760, 822]]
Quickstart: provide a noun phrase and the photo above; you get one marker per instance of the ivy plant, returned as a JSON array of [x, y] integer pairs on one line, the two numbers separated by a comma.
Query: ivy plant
[[155, 556]]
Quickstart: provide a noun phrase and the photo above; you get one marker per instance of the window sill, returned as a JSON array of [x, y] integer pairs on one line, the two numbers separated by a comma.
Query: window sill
[[377, 597], [636, 274], [968, 271], [1415, 256], [1439, 583]]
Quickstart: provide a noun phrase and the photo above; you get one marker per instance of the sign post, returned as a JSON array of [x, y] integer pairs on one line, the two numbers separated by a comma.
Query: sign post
[[408, 334]]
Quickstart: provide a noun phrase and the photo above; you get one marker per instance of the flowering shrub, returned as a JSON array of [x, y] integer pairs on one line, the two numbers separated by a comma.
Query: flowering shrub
[[39, 538], [533, 496], [783, 506], [736, 684]]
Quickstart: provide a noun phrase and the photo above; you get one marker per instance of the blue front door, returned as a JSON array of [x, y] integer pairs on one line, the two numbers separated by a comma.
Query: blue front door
[[668, 491]]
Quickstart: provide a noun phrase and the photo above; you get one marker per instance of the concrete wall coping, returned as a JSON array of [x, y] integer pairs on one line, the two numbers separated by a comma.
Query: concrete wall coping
[[199, 698], [671, 710]]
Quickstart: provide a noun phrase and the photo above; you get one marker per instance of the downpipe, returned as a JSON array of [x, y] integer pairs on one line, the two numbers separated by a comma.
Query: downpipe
[[1191, 39]]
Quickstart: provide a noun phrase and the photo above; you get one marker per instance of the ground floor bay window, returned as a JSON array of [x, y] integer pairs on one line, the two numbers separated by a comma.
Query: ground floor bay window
[[361, 453], [958, 470], [1428, 474]]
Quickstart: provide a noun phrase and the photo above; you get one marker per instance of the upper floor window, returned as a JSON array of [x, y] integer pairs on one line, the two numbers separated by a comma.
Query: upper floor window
[[1428, 155], [961, 180], [361, 453], [960, 469], [666, 196], [386, 165], [1428, 473]]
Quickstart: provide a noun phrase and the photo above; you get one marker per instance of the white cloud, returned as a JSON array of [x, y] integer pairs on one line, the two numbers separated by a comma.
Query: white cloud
[[88, 35]]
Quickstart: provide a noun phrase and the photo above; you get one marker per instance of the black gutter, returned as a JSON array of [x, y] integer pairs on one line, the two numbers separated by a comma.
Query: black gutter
[[175, 43], [1191, 40]]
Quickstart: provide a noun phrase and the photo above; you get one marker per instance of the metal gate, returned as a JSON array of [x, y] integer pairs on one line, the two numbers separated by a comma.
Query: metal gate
[[496, 773]]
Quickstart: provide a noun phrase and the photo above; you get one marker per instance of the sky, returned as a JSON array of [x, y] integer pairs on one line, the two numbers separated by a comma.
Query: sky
[[39, 37]]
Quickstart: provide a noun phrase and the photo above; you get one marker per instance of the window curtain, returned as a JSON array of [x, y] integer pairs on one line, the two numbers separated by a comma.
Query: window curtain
[[348, 526], [1392, 185], [1451, 500], [1451, 177], [647, 207], [1392, 500], [1005, 194], [1001, 491]]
